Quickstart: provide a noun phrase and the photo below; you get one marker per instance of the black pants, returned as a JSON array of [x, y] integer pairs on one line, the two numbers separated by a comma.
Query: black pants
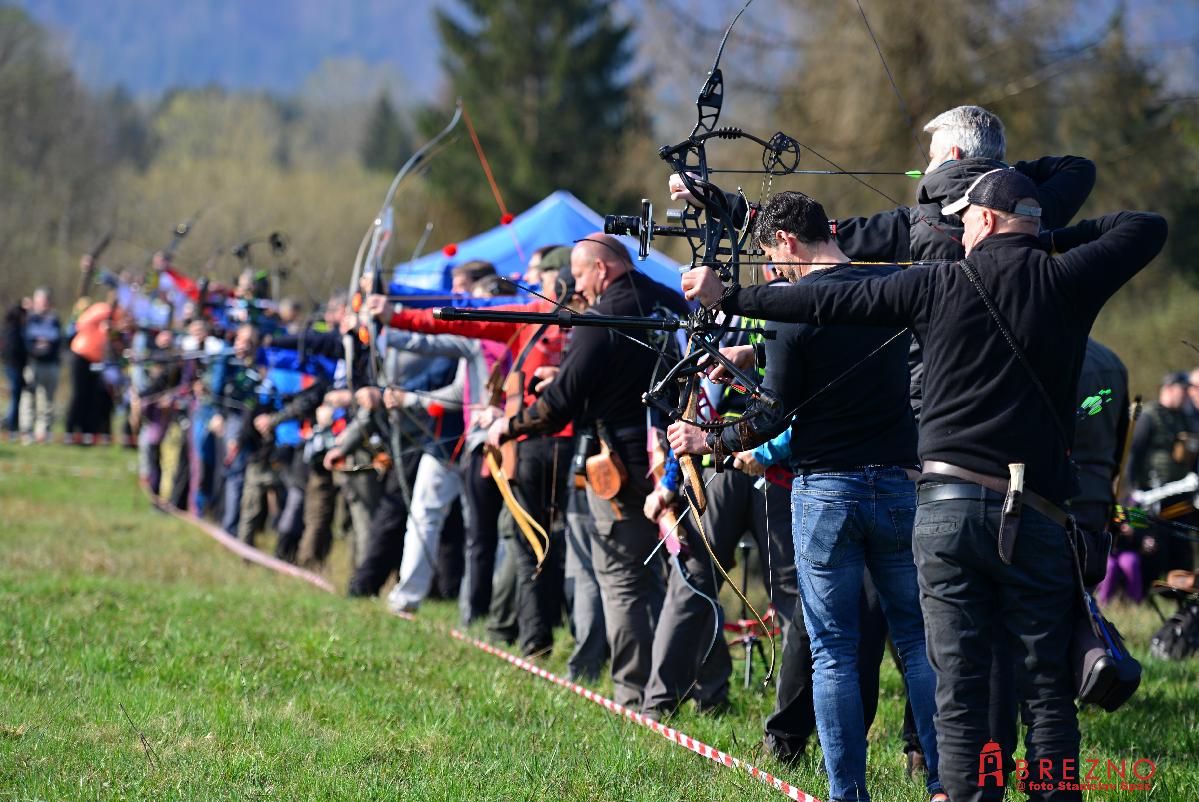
[[971, 599], [90, 410], [386, 546], [685, 627], [482, 538], [181, 478], [450, 564], [542, 468]]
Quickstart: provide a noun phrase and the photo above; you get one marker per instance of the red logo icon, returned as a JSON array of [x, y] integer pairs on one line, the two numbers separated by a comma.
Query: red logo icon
[[990, 765]]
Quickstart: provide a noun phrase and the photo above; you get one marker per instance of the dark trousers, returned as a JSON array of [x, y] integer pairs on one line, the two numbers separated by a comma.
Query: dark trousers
[[320, 503], [450, 559], [542, 467], [686, 625], [970, 598], [631, 591], [91, 407], [502, 623], [385, 548], [482, 538], [181, 478], [586, 663], [16, 385]]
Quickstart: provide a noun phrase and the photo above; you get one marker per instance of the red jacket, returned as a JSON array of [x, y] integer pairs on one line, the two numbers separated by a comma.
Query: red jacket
[[546, 352]]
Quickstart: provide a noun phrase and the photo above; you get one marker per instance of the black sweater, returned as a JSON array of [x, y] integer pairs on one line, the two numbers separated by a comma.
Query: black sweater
[[981, 411], [844, 420], [604, 374]]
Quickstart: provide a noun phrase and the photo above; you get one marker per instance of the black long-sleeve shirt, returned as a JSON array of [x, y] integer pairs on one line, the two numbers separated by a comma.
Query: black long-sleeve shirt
[[922, 233], [846, 420], [603, 374], [981, 410]]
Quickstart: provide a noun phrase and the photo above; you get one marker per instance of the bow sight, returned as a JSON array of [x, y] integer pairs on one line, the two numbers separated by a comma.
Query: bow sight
[[643, 227]]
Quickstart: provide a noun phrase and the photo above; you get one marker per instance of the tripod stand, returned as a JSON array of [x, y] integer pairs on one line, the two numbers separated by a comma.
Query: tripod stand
[[748, 631]]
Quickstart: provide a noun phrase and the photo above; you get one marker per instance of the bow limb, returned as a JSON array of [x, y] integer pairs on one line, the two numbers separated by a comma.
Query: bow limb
[[696, 496], [370, 258], [533, 532]]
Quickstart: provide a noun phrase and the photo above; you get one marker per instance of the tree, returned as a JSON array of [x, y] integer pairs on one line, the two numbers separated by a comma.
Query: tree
[[547, 84], [386, 140], [842, 102], [56, 161]]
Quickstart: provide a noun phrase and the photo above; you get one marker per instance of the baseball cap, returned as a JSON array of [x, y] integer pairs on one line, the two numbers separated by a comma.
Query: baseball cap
[[557, 259], [1001, 189], [1176, 377]]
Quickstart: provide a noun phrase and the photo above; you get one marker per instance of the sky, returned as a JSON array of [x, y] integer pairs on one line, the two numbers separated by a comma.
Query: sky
[[355, 46]]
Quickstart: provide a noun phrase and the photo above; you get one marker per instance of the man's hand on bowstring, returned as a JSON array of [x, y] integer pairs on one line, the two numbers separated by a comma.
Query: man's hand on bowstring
[[745, 462], [369, 398], [498, 432], [349, 322], [742, 356], [544, 375], [703, 285], [393, 398], [685, 438], [658, 502], [337, 399], [262, 424], [378, 307], [332, 457], [678, 190], [483, 418]]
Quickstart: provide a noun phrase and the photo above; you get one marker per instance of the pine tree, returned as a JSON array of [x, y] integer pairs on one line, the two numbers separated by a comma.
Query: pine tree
[[547, 86], [385, 144]]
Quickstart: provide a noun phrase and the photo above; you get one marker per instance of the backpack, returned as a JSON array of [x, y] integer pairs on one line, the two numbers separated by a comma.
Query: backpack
[[1178, 638]]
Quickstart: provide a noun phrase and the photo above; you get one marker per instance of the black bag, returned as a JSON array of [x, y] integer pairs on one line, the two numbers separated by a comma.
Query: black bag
[[1105, 674], [1178, 638], [1090, 548]]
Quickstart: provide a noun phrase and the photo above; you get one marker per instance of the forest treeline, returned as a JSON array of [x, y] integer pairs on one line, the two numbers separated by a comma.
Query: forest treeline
[[567, 94]]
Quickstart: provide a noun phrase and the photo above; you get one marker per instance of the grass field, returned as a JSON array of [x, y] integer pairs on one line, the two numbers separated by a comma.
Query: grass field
[[139, 660]]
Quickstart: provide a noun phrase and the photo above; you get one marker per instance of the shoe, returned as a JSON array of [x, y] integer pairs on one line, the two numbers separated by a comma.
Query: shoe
[[916, 765], [406, 607], [717, 708], [770, 747], [655, 714], [940, 796]]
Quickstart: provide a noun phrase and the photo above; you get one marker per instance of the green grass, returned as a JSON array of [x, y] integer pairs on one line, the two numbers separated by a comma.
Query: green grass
[[121, 623]]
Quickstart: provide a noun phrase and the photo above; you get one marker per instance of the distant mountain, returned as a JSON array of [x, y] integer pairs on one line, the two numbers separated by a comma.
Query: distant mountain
[[148, 46]]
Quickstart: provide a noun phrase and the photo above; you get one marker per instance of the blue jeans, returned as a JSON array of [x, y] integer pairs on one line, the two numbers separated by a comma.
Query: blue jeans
[[844, 523]]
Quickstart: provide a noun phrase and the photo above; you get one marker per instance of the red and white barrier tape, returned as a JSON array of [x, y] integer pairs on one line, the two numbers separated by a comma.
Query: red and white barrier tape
[[245, 550], [669, 733]]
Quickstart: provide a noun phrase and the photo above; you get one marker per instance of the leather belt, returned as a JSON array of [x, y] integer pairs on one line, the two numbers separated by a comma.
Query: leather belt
[[982, 487]]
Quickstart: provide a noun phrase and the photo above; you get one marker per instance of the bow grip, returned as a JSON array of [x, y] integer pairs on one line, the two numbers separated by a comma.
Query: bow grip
[[690, 466]]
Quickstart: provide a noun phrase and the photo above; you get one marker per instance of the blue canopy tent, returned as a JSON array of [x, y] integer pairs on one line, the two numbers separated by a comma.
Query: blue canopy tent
[[558, 220]]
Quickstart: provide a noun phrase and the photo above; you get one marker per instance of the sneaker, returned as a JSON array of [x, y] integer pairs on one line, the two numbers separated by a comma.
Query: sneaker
[[916, 765], [398, 606]]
